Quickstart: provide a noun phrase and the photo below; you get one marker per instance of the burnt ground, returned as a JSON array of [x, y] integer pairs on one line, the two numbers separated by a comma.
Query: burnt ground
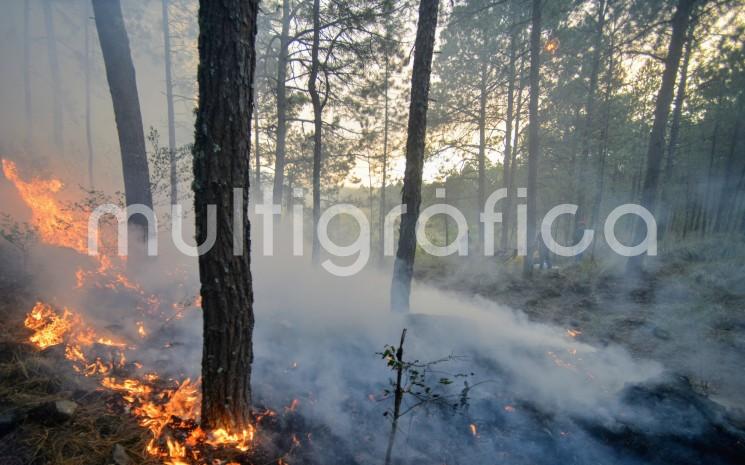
[[50, 415], [36, 429], [687, 311], [37, 424]]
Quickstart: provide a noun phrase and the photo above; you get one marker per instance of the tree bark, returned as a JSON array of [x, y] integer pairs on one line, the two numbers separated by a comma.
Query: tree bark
[[120, 73], [533, 130], [227, 59], [403, 268], [279, 157], [318, 127], [54, 72], [169, 103], [656, 148]]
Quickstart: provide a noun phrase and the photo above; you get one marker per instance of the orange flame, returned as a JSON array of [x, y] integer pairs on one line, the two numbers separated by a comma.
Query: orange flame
[[49, 328], [56, 225], [162, 410]]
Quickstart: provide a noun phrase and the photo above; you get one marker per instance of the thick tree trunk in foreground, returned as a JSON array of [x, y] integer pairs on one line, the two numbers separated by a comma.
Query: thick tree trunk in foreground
[[169, 104], [318, 127], [403, 268], [279, 157], [656, 148], [533, 126], [120, 73], [227, 34]]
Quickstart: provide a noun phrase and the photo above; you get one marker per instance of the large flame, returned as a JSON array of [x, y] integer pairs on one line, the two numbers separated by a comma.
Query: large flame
[[65, 226], [56, 225]]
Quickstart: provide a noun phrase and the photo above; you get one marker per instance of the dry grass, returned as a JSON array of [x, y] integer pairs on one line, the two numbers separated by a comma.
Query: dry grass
[[88, 438], [29, 378]]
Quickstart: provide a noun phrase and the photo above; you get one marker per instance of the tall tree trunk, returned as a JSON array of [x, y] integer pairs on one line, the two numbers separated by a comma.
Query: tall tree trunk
[[424, 44], [510, 216], [318, 127], [227, 60], [87, 66], [482, 146], [656, 148], [54, 74], [581, 183], [279, 156], [384, 179], [370, 196], [120, 73], [257, 144], [740, 190], [27, 75], [603, 153], [672, 145], [169, 102], [688, 207], [507, 181], [728, 188], [533, 145], [680, 96], [703, 222]]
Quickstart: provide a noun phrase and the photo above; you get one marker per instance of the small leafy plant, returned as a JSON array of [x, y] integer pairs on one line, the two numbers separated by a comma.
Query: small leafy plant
[[421, 384]]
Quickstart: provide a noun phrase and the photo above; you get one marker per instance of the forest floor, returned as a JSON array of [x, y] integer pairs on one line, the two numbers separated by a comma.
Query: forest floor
[[687, 311], [49, 415]]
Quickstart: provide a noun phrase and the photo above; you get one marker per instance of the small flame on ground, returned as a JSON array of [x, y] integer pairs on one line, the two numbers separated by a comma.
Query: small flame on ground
[[49, 328], [141, 329], [293, 405]]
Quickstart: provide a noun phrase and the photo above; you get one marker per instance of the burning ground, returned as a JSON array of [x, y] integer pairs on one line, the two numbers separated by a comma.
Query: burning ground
[[101, 366]]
